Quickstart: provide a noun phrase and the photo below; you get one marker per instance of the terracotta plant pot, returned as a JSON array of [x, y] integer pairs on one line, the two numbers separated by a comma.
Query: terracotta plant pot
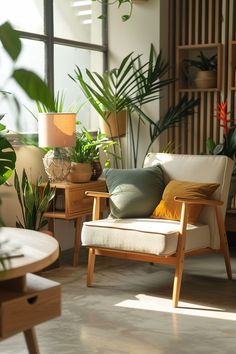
[[80, 172], [115, 125], [206, 79]]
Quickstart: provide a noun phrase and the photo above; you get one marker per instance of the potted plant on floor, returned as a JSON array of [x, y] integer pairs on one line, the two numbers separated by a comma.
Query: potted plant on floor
[[33, 202]]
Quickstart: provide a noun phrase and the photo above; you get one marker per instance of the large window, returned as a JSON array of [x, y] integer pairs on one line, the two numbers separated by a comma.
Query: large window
[[57, 35]]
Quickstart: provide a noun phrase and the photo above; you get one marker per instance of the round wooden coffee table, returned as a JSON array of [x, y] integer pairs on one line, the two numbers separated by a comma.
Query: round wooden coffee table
[[27, 299]]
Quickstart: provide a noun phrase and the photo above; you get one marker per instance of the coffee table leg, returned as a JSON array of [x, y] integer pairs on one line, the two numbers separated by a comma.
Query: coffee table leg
[[31, 341]]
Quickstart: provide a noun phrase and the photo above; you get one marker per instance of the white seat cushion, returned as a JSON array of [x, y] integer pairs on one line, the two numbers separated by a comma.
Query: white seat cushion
[[153, 236]]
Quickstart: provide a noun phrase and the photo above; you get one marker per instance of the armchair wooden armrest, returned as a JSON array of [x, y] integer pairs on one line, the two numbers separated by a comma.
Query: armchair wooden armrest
[[97, 194], [209, 202], [97, 202]]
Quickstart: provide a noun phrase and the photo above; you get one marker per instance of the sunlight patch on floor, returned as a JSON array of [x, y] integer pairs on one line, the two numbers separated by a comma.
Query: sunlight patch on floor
[[145, 302]]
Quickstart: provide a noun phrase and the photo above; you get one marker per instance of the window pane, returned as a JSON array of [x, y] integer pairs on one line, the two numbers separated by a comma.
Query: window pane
[[77, 20], [66, 58], [24, 15], [25, 122]]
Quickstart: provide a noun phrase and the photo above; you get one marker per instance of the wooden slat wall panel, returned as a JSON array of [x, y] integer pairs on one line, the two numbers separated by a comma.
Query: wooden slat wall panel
[[200, 22]]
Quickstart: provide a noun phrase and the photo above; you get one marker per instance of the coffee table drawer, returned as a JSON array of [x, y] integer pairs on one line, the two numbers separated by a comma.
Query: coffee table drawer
[[41, 302]]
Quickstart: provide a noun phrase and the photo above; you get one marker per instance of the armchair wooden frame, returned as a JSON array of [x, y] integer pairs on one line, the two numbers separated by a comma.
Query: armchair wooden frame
[[176, 259]]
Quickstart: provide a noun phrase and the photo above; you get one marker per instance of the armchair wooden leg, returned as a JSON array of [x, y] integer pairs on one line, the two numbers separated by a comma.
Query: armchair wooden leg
[[177, 281], [91, 263], [180, 255], [223, 242]]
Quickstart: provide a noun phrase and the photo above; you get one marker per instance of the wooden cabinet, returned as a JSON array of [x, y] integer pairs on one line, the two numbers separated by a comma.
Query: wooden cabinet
[[70, 203]]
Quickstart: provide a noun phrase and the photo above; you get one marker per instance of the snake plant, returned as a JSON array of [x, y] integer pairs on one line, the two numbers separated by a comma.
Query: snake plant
[[33, 202]]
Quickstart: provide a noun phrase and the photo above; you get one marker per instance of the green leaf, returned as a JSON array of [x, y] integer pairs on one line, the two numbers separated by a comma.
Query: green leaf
[[34, 87], [7, 159], [125, 17], [10, 40]]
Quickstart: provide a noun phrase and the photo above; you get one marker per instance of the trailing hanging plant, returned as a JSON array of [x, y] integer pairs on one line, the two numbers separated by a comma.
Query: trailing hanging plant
[[33, 203], [119, 3]]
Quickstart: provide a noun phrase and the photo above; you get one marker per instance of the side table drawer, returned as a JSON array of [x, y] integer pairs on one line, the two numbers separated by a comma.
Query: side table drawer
[[40, 303], [78, 203]]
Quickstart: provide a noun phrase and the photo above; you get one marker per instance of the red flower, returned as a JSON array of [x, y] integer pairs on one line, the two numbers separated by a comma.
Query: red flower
[[221, 114]]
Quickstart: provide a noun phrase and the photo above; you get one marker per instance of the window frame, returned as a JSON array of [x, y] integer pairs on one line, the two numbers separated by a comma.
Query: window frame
[[49, 40]]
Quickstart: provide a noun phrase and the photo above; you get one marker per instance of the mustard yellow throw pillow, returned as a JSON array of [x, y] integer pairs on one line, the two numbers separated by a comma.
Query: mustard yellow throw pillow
[[169, 209]]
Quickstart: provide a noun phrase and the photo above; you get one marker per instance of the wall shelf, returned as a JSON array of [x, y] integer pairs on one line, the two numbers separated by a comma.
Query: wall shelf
[[186, 82]]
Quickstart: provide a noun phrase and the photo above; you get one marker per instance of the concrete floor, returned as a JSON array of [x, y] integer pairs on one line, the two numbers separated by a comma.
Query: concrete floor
[[128, 311]]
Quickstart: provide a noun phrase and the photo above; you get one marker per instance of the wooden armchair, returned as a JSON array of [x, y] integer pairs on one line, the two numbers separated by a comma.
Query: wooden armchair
[[164, 241]]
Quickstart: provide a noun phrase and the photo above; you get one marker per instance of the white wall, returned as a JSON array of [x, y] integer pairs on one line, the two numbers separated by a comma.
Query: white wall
[[136, 35]]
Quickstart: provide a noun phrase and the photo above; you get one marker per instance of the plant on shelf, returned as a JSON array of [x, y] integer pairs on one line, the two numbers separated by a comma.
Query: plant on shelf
[[129, 88], [32, 201], [206, 76]]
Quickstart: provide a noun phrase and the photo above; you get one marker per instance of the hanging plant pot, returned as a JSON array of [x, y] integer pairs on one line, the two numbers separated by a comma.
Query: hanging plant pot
[[206, 79], [115, 124], [80, 172]]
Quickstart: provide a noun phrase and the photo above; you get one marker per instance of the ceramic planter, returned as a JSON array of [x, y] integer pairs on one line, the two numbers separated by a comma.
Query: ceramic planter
[[115, 124], [80, 172]]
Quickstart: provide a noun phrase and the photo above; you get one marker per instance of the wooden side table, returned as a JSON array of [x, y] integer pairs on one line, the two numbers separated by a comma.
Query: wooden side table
[[70, 203], [27, 299]]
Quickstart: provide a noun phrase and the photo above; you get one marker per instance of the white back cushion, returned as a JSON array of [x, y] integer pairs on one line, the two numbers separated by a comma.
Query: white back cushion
[[198, 168]]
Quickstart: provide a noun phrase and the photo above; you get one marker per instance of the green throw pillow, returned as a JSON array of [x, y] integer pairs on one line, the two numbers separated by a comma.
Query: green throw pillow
[[134, 192]]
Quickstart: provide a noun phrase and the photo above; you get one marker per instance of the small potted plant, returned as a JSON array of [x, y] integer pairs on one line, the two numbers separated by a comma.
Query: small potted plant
[[95, 145], [206, 76], [79, 155], [85, 162]]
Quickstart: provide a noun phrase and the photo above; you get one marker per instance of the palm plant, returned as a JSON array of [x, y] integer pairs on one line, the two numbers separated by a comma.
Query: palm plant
[[125, 87], [33, 203], [131, 86]]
